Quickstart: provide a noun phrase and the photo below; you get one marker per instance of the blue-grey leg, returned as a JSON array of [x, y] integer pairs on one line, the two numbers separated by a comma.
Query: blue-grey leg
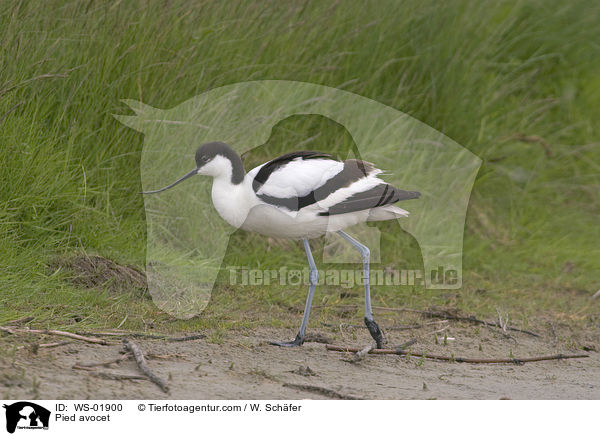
[[314, 278], [365, 254]]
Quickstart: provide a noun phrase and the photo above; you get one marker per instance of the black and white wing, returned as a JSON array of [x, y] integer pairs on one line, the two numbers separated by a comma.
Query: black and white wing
[[314, 180], [381, 194]]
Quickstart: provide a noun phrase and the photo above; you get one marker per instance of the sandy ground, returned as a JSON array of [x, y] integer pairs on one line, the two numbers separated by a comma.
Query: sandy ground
[[245, 366]]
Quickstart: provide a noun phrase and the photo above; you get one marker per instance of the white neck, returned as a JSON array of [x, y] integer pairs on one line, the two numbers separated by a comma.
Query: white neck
[[231, 201]]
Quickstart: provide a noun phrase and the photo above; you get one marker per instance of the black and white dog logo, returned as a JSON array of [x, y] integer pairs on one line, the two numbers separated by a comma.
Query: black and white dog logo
[[26, 415]]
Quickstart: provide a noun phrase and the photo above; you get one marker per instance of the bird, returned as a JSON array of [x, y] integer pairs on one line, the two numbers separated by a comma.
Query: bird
[[301, 196]]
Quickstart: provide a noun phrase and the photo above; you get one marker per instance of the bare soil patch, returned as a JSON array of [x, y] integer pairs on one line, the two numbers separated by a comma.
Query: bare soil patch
[[245, 366]]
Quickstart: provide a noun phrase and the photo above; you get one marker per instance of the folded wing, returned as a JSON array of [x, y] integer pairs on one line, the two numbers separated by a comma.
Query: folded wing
[[315, 180]]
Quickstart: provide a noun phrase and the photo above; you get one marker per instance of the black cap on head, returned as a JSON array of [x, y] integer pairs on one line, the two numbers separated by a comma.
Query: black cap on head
[[207, 152]]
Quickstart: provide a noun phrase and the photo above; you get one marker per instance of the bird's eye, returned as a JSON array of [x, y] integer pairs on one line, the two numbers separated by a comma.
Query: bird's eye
[[204, 159]]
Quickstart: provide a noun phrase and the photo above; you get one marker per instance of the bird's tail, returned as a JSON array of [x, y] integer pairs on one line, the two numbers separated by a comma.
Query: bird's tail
[[387, 213]]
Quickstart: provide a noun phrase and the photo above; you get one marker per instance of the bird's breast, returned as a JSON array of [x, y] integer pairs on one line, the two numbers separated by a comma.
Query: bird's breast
[[232, 202]]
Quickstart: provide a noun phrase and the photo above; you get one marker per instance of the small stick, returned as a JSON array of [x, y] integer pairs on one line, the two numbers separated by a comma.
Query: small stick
[[322, 391], [458, 359], [100, 334], [82, 367], [125, 334], [145, 336], [50, 345], [360, 354], [141, 361], [109, 376], [56, 333]]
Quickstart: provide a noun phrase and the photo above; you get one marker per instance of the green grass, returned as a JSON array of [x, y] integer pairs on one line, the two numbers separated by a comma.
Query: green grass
[[480, 72]]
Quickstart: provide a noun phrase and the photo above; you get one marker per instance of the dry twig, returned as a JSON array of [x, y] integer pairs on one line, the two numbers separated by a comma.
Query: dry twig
[[458, 359], [82, 367], [35, 347], [360, 354], [56, 333], [145, 336], [110, 376], [322, 391], [141, 361]]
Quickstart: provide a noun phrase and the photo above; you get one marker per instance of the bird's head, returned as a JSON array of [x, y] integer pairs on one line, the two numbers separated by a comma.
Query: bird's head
[[213, 159]]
